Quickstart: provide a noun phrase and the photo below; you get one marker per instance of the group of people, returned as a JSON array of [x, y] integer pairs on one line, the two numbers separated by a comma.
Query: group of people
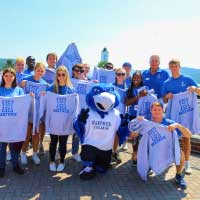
[[15, 82]]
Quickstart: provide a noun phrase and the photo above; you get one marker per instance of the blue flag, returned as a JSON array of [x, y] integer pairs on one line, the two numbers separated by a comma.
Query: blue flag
[[69, 58]]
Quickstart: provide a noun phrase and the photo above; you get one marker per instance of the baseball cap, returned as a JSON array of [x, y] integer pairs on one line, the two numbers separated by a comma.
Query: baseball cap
[[127, 64]]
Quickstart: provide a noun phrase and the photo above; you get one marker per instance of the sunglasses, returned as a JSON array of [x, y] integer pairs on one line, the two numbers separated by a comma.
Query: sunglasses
[[59, 75], [79, 70], [120, 74]]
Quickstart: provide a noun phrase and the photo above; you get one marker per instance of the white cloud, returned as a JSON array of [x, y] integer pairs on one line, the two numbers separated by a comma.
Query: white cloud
[[168, 39]]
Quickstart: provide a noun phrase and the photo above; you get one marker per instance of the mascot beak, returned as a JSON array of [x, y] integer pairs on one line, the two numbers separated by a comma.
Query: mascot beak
[[104, 101]]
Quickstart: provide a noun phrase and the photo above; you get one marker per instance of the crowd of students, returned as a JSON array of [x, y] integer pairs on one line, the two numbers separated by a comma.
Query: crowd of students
[[58, 80]]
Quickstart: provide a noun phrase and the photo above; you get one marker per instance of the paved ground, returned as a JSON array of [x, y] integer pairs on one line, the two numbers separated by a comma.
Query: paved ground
[[121, 182]]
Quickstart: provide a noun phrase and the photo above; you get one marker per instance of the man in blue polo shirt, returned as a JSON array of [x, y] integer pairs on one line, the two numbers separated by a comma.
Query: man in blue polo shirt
[[155, 77]]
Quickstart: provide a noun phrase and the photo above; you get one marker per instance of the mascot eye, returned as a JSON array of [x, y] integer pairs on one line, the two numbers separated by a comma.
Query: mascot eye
[[111, 89], [96, 90]]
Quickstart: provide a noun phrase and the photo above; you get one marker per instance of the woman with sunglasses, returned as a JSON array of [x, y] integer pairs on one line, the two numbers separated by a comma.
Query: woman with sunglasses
[[120, 82], [62, 85], [77, 73]]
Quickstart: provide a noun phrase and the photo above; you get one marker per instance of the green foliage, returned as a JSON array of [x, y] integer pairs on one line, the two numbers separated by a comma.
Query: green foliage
[[9, 63], [101, 64]]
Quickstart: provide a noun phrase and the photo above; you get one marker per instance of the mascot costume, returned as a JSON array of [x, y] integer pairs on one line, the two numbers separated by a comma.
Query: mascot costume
[[97, 127]]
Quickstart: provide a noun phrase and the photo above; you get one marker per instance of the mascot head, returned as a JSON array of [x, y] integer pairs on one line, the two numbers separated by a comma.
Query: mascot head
[[102, 98]]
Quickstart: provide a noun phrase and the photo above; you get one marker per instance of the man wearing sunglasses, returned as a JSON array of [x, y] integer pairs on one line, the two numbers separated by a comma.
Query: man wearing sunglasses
[[78, 71]]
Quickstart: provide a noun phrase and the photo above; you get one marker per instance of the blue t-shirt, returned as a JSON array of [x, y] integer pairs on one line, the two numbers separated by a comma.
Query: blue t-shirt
[[128, 81], [11, 92], [62, 89], [31, 78], [167, 122], [122, 86], [132, 109], [29, 72], [177, 85], [155, 81], [20, 77]]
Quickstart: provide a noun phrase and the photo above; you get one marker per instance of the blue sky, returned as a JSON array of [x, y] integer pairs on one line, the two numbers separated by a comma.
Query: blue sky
[[131, 30]]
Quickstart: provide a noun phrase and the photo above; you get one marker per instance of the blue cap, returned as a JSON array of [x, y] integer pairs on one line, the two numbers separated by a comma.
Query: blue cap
[[127, 64]]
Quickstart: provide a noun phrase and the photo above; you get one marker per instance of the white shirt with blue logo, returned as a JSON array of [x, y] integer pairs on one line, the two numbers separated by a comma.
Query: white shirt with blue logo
[[183, 109], [82, 87], [103, 75], [14, 118], [60, 112], [99, 132], [158, 148]]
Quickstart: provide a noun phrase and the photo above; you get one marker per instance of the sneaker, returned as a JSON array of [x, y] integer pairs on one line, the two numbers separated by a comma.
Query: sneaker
[[2, 172], [180, 181], [41, 149], [35, 159], [116, 158], [77, 157], [52, 166], [24, 160], [61, 167], [18, 170], [87, 173], [188, 169], [8, 156], [125, 146]]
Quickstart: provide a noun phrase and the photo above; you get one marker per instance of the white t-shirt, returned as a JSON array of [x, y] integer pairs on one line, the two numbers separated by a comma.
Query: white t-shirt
[[99, 132]]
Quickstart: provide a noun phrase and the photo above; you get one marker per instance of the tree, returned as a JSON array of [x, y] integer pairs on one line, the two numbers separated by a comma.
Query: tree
[[9, 63], [101, 64]]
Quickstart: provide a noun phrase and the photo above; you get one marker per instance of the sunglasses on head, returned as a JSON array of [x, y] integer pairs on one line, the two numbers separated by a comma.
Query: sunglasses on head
[[59, 75], [120, 74], [79, 70]]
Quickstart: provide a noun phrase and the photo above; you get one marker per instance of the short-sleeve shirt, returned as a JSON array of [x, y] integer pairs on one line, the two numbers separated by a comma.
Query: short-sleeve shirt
[[155, 81], [177, 85]]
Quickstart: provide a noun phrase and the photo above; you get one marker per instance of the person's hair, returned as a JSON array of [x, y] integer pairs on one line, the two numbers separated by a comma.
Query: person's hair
[[130, 89], [19, 60], [68, 83], [157, 104], [108, 64], [12, 71], [175, 61], [40, 64], [117, 71], [154, 56], [79, 66], [52, 54]]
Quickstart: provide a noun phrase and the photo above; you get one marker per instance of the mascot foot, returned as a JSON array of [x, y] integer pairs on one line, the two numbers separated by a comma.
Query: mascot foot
[[87, 173]]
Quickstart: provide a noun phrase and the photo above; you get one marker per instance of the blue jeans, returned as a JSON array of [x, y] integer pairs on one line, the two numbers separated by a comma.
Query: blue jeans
[[15, 149], [75, 144]]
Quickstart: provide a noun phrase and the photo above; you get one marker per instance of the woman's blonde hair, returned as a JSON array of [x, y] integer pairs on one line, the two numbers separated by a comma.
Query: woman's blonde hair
[[120, 70], [40, 64], [68, 83]]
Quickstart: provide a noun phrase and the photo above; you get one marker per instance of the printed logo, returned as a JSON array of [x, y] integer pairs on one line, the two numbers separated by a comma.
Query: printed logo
[[35, 90], [103, 79], [101, 125], [185, 107], [183, 84], [61, 105], [7, 108], [81, 88], [158, 76], [145, 110], [155, 136]]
